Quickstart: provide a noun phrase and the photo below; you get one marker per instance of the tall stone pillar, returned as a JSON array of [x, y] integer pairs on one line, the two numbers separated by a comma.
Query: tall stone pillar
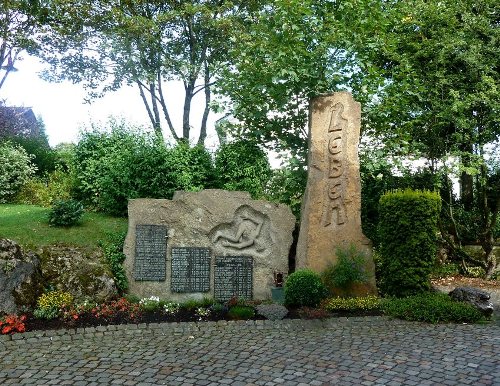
[[331, 208]]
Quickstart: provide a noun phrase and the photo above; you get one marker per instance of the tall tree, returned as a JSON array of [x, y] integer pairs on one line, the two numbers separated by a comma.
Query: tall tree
[[291, 51], [107, 43], [441, 97], [17, 23]]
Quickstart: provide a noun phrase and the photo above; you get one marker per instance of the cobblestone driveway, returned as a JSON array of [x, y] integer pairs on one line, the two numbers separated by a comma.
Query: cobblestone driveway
[[355, 351]]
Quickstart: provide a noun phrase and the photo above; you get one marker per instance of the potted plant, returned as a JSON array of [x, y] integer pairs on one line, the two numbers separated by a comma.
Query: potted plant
[[277, 292]]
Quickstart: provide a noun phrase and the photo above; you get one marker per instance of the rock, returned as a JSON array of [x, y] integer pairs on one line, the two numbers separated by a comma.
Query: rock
[[272, 311], [331, 208], [20, 278], [476, 297], [211, 243], [82, 273]]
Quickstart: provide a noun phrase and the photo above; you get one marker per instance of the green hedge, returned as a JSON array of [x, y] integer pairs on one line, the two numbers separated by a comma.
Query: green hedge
[[408, 233], [431, 308]]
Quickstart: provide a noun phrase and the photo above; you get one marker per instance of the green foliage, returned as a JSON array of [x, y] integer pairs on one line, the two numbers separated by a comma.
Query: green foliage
[[43, 157], [287, 185], [348, 269], [379, 176], [241, 313], [150, 304], [408, 233], [438, 99], [444, 270], [57, 185], [50, 305], [352, 304], [113, 253], [431, 308], [15, 170], [193, 304], [112, 167], [304, 288], [440, 62], [290, 52], [190, 168], [66, 213], [242, 165]]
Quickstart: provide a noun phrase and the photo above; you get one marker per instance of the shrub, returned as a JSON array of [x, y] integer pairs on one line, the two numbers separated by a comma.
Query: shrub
[[51, 304], [348, 269], [408, 233], [15, 170], [241, 312], [65, 213], [304, 288], [113, 253], [242, 165], [43, 157], [432, 308], [352, 304], [57, 185], [112, 167]]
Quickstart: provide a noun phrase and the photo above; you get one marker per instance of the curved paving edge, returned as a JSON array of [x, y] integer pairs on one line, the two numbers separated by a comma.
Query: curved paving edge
[[341, 351], [187, 327]]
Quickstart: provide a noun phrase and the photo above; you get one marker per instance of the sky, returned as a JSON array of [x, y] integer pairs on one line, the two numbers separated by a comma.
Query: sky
[[64, 112]]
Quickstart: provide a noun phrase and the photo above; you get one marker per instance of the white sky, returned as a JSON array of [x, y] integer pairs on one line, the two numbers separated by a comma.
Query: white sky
[[62, 107]]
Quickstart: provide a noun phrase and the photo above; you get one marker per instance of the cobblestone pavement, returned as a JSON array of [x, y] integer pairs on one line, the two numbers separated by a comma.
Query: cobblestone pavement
[[337, 351]]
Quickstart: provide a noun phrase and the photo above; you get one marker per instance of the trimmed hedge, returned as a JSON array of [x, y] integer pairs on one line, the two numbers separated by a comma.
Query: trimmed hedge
[[408, 233], [431, 308]]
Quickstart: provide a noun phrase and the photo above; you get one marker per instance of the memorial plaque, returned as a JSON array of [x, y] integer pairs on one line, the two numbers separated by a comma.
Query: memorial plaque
[[190, 269], [150, 252], [233, 277]]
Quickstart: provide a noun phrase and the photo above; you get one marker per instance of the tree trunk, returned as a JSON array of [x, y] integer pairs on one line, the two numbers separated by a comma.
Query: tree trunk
[[186, 127], [467, 190], [208, 96]]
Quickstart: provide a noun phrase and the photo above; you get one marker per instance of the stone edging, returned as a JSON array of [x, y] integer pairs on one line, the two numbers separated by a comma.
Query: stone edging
[[183, 328]]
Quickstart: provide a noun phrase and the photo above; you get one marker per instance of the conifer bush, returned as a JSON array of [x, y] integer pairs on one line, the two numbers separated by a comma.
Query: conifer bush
[[408, 233]]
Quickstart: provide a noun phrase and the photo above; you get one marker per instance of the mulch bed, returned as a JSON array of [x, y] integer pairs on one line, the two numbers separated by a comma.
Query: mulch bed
[[459, 281], [89, 320]]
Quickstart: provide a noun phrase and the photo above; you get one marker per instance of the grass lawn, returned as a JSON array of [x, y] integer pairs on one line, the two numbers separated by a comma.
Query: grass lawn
[[28, 226]]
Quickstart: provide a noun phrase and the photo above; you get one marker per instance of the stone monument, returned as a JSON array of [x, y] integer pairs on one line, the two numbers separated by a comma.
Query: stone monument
[[331, 209], [212, 243]]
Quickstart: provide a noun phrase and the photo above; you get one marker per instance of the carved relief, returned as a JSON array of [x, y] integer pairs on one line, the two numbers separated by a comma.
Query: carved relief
[[335, 145], [335, 169], [337, 121], [334, 207], [247, 232]]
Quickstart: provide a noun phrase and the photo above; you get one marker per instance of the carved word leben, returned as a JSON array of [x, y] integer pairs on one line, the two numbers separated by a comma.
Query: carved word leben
[[334, 209]]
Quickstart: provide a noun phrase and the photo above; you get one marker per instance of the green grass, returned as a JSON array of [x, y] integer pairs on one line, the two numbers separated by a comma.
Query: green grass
[[28, 225]]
